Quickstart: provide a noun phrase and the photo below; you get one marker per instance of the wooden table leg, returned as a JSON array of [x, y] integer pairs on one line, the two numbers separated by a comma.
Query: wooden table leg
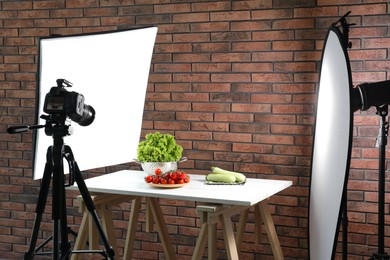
[[161, 227], [88, 231], [270, 229], [132, 227], [81, 239], [212, 240], [93, 237], [241, 228], [214, 213], [154, 210], [149, 220], [210, 216], [258, 224], [230, 242], [200, 243], [209, 229], [108, 225]]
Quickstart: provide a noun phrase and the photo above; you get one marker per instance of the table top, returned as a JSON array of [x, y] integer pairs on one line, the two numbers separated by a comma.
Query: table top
[[131, 182]]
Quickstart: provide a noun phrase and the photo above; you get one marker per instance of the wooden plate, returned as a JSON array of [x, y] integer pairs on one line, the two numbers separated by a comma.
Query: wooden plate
[[168, 186]]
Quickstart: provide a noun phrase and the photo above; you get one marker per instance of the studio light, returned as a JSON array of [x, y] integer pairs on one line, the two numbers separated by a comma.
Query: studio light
[[111, 69], [377, 95], [369, 95]]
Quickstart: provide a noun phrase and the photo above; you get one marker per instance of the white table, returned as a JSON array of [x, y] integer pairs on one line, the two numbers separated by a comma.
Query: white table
[[215, 203]]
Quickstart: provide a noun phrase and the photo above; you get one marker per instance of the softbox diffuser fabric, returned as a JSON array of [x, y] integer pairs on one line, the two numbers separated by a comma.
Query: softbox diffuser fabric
[[111, 71]]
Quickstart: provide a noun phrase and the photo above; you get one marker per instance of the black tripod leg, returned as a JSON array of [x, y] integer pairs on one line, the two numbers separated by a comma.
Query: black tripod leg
[[90, 206], [61, 245], [41, 204], [65, 247]]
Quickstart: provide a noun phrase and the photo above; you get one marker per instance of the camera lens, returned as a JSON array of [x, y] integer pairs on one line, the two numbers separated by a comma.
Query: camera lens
[[86, 118]]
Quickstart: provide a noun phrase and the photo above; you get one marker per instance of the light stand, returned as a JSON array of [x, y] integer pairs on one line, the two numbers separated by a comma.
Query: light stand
[[363, 97], [382, 111], [54, 169]]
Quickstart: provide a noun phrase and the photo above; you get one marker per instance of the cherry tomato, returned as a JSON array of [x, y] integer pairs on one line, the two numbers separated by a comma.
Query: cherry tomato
[[163, 181], [157, 171], [149, 178], [187, 180], [179, 181], [182, 176], [174, 176], [156, 180], [171, 181]]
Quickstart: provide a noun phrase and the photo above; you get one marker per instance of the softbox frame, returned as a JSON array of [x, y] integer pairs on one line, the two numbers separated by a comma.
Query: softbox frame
[[111, 70]]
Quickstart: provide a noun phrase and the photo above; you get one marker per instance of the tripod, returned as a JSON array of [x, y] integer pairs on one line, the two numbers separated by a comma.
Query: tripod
[[54, 169]]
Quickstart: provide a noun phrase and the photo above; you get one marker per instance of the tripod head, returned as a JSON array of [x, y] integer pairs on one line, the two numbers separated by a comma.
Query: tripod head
[[53, 127], [57, 126]]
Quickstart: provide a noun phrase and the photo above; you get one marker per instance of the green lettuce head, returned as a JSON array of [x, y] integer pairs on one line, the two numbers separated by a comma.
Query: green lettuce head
[[159, 148]]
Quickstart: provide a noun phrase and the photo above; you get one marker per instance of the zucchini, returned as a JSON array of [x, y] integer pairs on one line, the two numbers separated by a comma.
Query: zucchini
[[239, 176], [220, 177]]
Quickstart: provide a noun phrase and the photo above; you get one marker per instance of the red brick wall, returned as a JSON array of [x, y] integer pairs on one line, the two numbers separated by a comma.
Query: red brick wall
[[234, 81]]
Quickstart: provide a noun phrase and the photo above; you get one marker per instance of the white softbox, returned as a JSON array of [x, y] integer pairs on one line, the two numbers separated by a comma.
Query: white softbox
[[111, 71]]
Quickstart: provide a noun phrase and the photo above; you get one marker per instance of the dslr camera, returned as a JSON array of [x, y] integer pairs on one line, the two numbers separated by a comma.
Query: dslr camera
[[60, 103]]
